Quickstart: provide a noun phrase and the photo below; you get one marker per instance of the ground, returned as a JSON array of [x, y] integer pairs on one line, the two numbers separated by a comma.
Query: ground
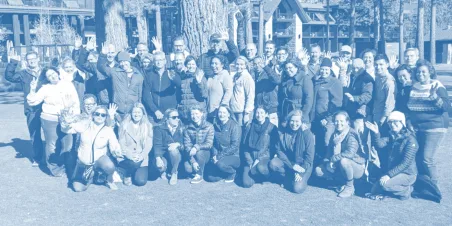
[[30, 197]]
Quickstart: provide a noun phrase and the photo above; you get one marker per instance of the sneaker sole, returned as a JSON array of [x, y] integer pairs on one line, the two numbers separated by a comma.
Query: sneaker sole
[[196, 182]]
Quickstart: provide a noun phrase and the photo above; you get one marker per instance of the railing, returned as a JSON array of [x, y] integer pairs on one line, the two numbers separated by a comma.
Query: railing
[[48, 54]]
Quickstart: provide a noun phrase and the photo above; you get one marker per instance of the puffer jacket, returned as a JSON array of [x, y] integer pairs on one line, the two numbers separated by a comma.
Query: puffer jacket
[[402, 152], [226, 140], [191, 93], [199, 137], [267, 84]]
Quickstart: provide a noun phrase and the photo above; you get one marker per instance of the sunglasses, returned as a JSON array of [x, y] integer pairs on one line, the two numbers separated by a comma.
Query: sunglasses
[[174, 117], [103, 115]]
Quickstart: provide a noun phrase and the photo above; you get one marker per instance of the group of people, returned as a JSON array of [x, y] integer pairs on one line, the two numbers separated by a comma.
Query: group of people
[[233, 116]]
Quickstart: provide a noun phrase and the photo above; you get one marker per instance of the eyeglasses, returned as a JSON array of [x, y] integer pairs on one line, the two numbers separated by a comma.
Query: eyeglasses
[[174, 117], [103, 115], [394, 121]]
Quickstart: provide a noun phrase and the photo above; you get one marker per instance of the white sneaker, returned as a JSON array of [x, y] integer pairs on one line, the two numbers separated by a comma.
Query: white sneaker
[[197, 179]]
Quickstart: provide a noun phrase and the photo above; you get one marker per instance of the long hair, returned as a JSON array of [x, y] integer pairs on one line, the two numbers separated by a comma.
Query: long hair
[[145, 127]]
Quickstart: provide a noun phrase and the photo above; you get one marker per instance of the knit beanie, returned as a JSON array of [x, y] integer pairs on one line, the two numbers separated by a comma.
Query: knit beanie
[[123, 56], [397, 116], [326, 62]]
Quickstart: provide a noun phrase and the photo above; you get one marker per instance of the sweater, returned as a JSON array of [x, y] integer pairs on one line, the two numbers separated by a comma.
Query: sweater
[[55, 98], [159, 92], [426, 113], [384, 96], [219, 90], [296, 148], [267, 83], [297, 93], [126, 91], [243, 92], [328, 94], [402, 152]]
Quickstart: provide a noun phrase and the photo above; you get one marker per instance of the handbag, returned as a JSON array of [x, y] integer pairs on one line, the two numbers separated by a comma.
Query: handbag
[[84, 173]]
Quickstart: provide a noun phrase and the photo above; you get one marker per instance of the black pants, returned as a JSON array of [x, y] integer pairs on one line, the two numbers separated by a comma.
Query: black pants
[[34, 129], [225, 168], [140, 174]]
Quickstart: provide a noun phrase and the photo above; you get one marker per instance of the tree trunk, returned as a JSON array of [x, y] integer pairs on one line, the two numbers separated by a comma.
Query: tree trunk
[[420, 28], [352, 23], [328, 43], [158, 22], [382, 45], [261, 28], [200, 19], [248, 22], [241, 36], [401, 58], [142, 27], [110, 23], [376, 25], [433, 34]]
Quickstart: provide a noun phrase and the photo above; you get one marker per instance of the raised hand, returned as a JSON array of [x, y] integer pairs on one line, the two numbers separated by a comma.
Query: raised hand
[[372, 127], [91, 44], [224, 34], [78, 42], [104, 48], [157, 44], [327, 54], [12, 55], [112, 109], [342, 63], [433, 91], [393, 61], [304, 56]]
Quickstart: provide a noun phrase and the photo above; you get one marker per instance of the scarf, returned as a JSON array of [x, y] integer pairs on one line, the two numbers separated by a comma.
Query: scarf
[[256, 137], [419, 99], [337, 140]]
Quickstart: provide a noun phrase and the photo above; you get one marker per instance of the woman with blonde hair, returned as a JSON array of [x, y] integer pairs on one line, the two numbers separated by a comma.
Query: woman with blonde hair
[[135, 138]]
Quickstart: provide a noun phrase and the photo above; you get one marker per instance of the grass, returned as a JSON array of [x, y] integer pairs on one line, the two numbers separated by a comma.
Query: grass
[[30, 197]]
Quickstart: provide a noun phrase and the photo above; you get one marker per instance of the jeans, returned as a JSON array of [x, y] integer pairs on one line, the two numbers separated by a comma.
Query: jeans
[[225, 168], [347, 170], [55, 156], [174, 158], [105, 164], [429, 143], [278, 167], [34, 128], [201, 157], [322, 139], [260, 170], [140, 174], [399, 186]]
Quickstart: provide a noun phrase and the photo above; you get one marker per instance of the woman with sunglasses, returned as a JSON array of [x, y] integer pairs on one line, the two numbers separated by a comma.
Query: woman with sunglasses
[[225, 150], [258, 138], [345, 156], [401, 172], [135, 138], [96, 141], [55, 96], [198, 140], [168, 144]]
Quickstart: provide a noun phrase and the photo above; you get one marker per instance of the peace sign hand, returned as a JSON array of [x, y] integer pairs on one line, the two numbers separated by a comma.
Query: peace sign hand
[[104, 48], [433, 91], [91, 44], [372, 127]]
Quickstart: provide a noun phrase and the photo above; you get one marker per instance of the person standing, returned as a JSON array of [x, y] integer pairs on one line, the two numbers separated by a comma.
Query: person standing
[[31, 81], [219, 87], [243, 92]]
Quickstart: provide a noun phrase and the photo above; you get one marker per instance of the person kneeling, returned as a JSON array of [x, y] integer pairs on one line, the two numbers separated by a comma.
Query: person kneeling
[[345, 157], [259, 135], [96, 139], [135, 137], [402, 171], [294, 153], [225, 150], [168, 142]]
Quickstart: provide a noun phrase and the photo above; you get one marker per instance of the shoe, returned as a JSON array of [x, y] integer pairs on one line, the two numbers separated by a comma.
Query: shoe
[[35, 164], [375, 196], [112, 186], [127, 181], [197, 179], [173, 179], [230, 179], [163, 176], [347, 192], [101, 178]]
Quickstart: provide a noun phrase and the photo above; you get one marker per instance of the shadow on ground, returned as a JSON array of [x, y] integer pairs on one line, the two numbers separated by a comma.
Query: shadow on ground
[[22, 147], [11, 98]]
